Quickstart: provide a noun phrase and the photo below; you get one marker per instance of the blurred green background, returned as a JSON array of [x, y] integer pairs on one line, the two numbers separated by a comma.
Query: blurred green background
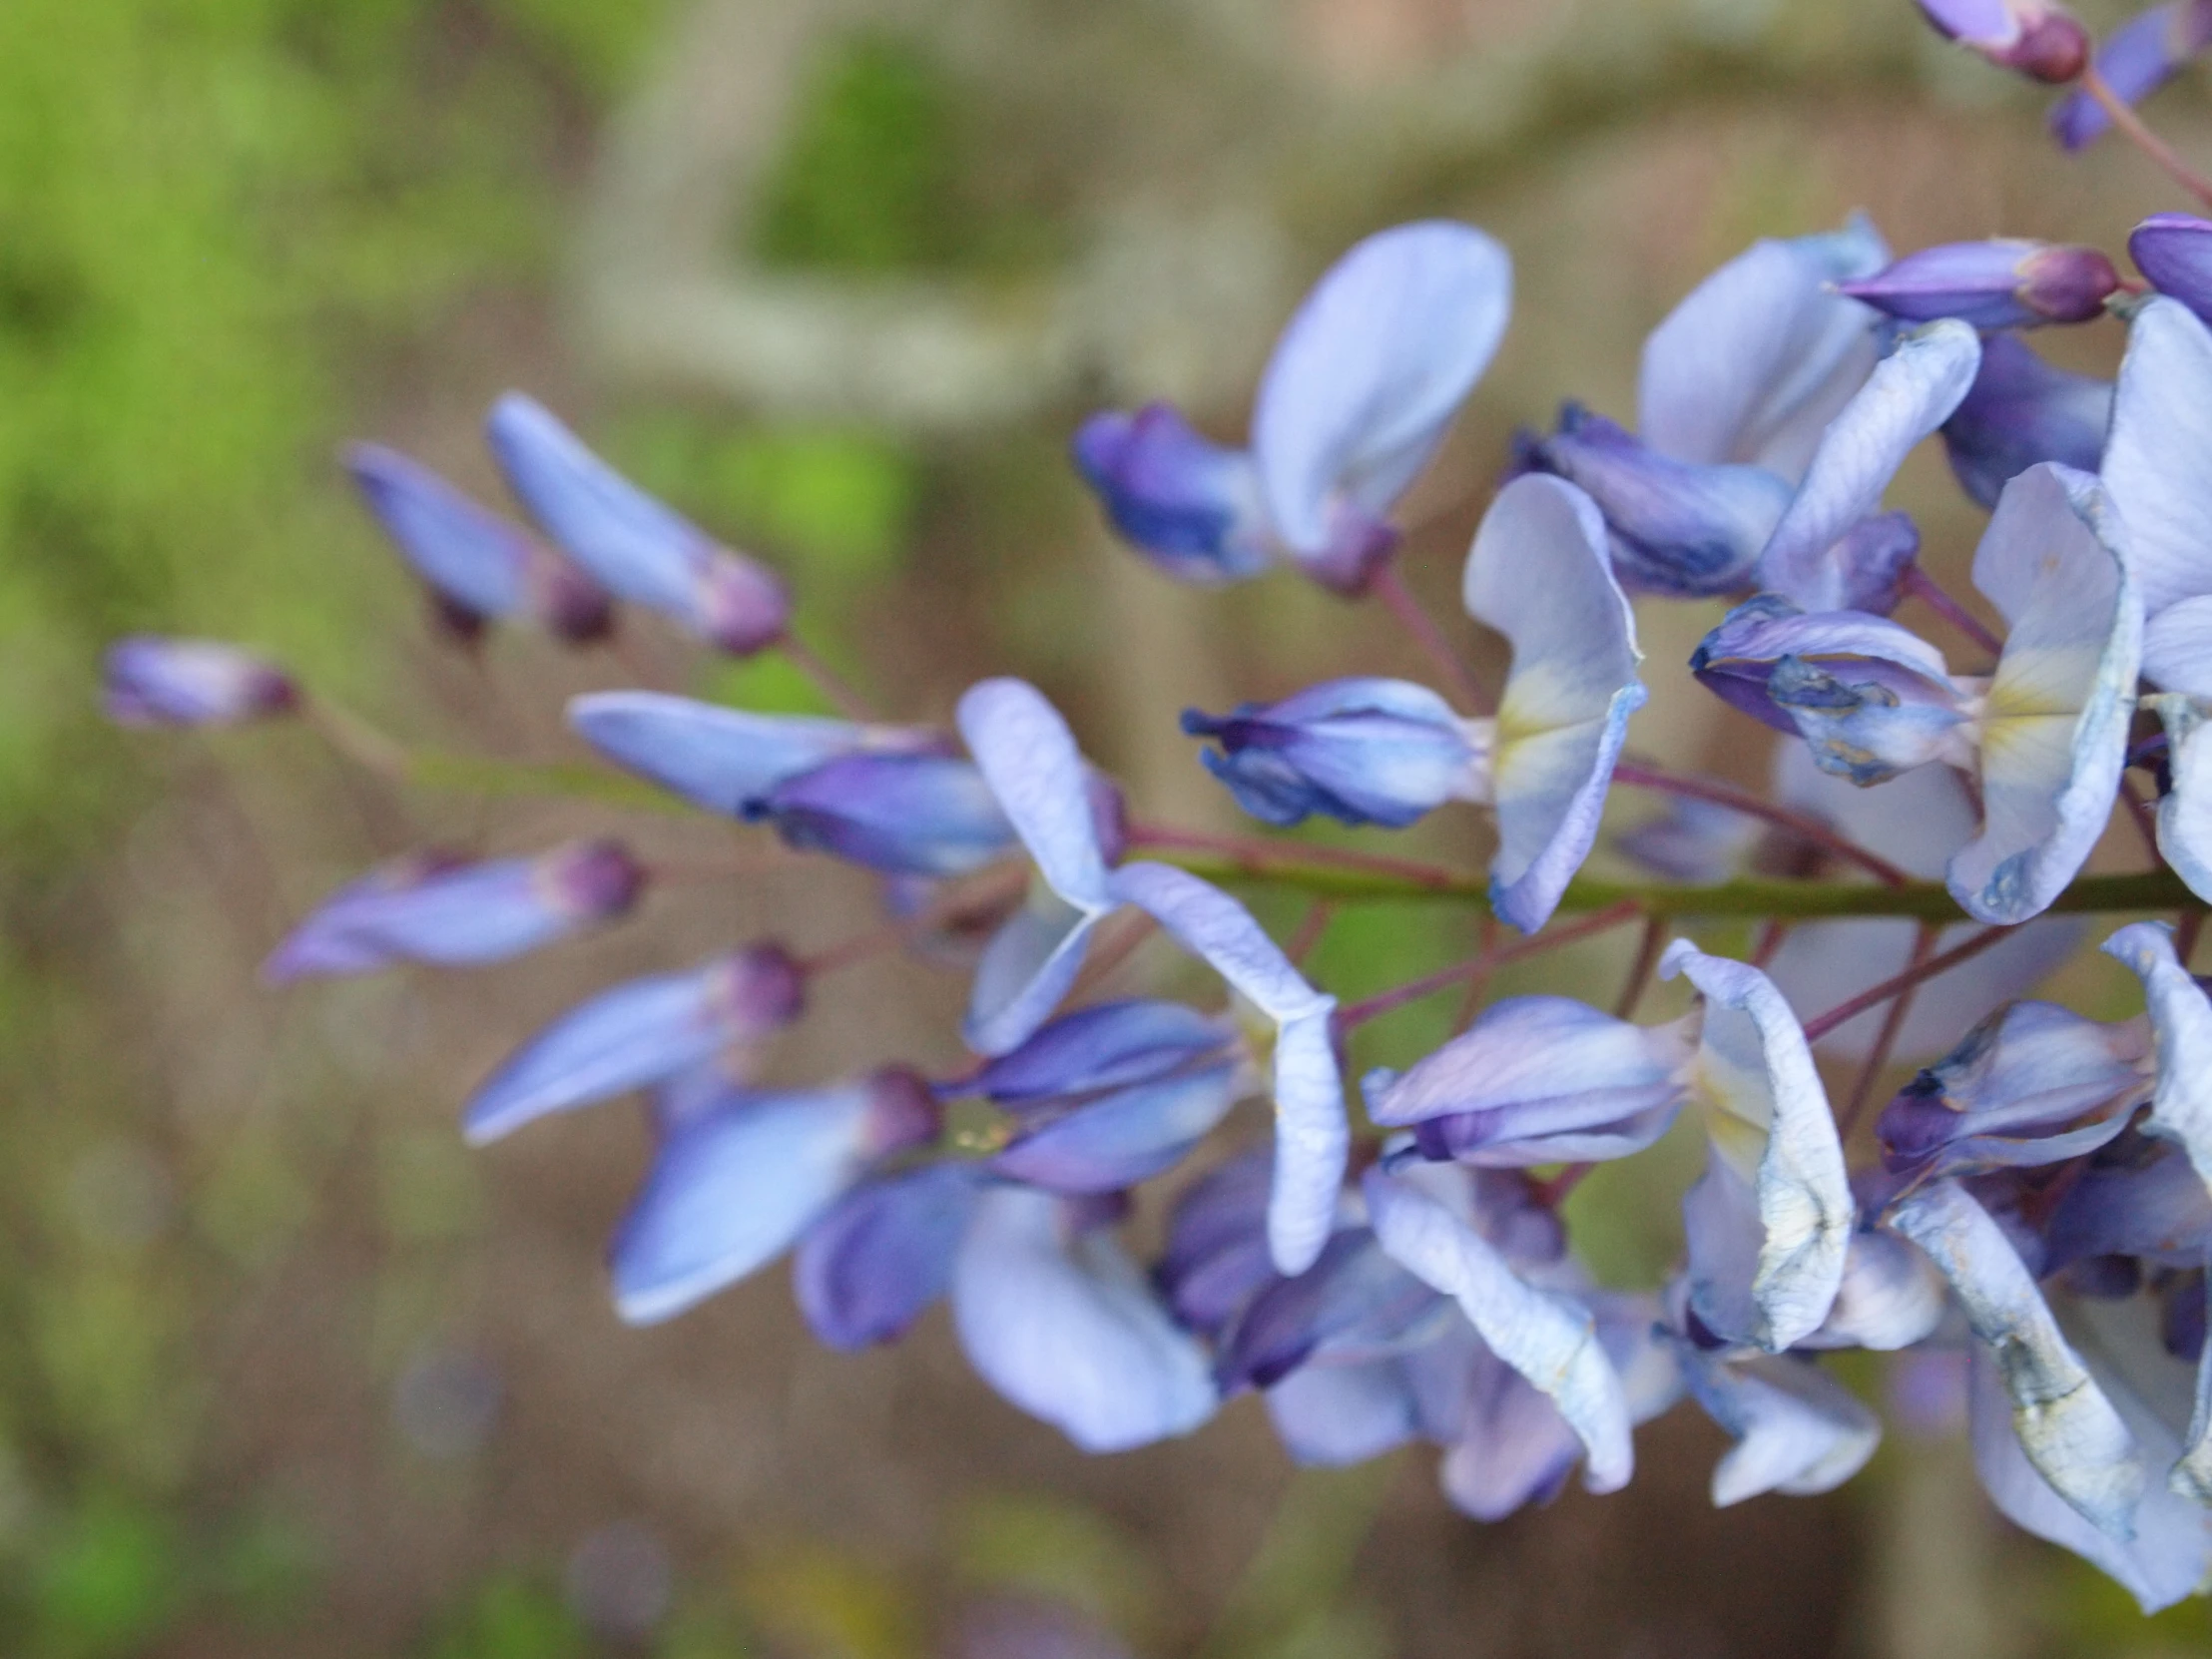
[[282, 1371]]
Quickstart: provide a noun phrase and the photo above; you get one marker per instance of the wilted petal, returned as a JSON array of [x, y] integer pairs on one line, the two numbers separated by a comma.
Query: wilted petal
[[1367, 376], [2067, 1426], [1890, 1298], [734, 1187], [2033, 1083], [1769, 1118], [1547, 1337], [636, 547], [1064, 1326], [1192, 506], [2019, 411], [1537, 573], [453, 915], [1123, 1137], [1907, 397], [1756, 362], [2054, 734], [1537, 1080], [2166, 1560], [153, 681], [1797, 1429], [1312, 1137], [2136, 59], [2181, 1022], [2154, 462], [1361, 751], [875, 1263], [638, 1033]]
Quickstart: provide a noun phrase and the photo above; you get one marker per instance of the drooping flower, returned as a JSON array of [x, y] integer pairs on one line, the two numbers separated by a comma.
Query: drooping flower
[[149, 680], [477, 566], [643, 1032], [2136, 59], [2034, 38], [1797, 1429], [1361, 386], [635, 547], [2003, 282], [452, 913]]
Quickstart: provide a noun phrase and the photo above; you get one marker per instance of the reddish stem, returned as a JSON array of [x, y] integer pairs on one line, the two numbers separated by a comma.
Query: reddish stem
[[826, 680], [1638, 775], [1554, 1192], [1354, 1014], [1814, 1029], [1938, 597], [1639, 972], [2131, 127], [1878, 1057], [1319, 915], [1390, 587]]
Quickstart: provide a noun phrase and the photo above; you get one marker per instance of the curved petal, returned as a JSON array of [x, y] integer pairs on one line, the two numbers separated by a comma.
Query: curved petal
[[2155, 458], [1371, 368], [1768, 1117], [1312, 1137], [1028, 757], [1026, 970], [1908, 395], [2067, 1426], [1328, 1416], [2181, 1023], [1107, 1045], [1539, 575], [1892, 1296], [1512, 1447], [1192, 506], [465, 552], [2019, 411], [2054, 737], [1754, 362], [902, 815], [1353, 1304], [731, 1190], [2177, 647], [723, 758], [2136, 59], [875, 1263], [1064, 1326], [1124, 1137], [1797, 1429], [2186, 809], [1548, 1338], [1216, 1258]]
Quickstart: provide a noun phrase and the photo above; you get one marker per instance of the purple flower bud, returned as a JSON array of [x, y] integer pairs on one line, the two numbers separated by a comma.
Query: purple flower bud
[[2039, 40], [2021, 411], [637, 548], [2174, 250], [1193, 506], [872, 1265], [905, 814], [1675, 528], [639, 1033], [1999, 284], [1108, 1045], [430, 908], [1361, 751], [156, 681], [2136, 59], [478, 565]]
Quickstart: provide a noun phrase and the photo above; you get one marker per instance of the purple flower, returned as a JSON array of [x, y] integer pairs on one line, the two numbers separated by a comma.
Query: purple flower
[[871, 1265], [477, 565], [639, 1033], [2032, 37], [1355, 399], [2019, 411], [1999, 284], [155, 681], [2136, 59], [1217, 1258], [905, 814], [451, 914], [2158, 470], [634, 546], [1797, 1429], [2174, 250]]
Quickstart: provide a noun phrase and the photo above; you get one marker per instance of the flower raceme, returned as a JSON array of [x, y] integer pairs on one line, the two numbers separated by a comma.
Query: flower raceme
[[2038, 1205]]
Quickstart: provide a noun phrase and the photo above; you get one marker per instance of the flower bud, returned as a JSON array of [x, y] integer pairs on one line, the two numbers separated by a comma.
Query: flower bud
[[2136, 59], [2174, 250], [1999, 284], [2032, 37], [152, 680], [1190, 505]]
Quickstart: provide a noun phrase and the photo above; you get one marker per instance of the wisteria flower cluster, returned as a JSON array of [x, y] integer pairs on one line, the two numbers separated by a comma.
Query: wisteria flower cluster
[[2036, 1208]]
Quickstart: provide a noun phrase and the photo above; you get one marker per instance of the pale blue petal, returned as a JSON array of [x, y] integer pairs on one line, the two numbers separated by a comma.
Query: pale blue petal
[[1328, 1416], [1769, 1116], [1312, 1137], [2156, 457], [1353, 1304], [1216, 1257], [1907, 397], [722, 759], [1025, 972], [2177, 647], [1756, 362], [1512, 1449], [1539, 575], [1064, 1326], [1370, 371], [1107, 1045], [1028, 757], [1548, 1338], [1124, 1137], [1797, 1429], [465, 552], [2067, 1426], [2181, 1022], [2186, 809], [1721, 1237], [1892, 1296], [872, 1265], [2170, 1553], [730, 1191], [2054, 739]]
